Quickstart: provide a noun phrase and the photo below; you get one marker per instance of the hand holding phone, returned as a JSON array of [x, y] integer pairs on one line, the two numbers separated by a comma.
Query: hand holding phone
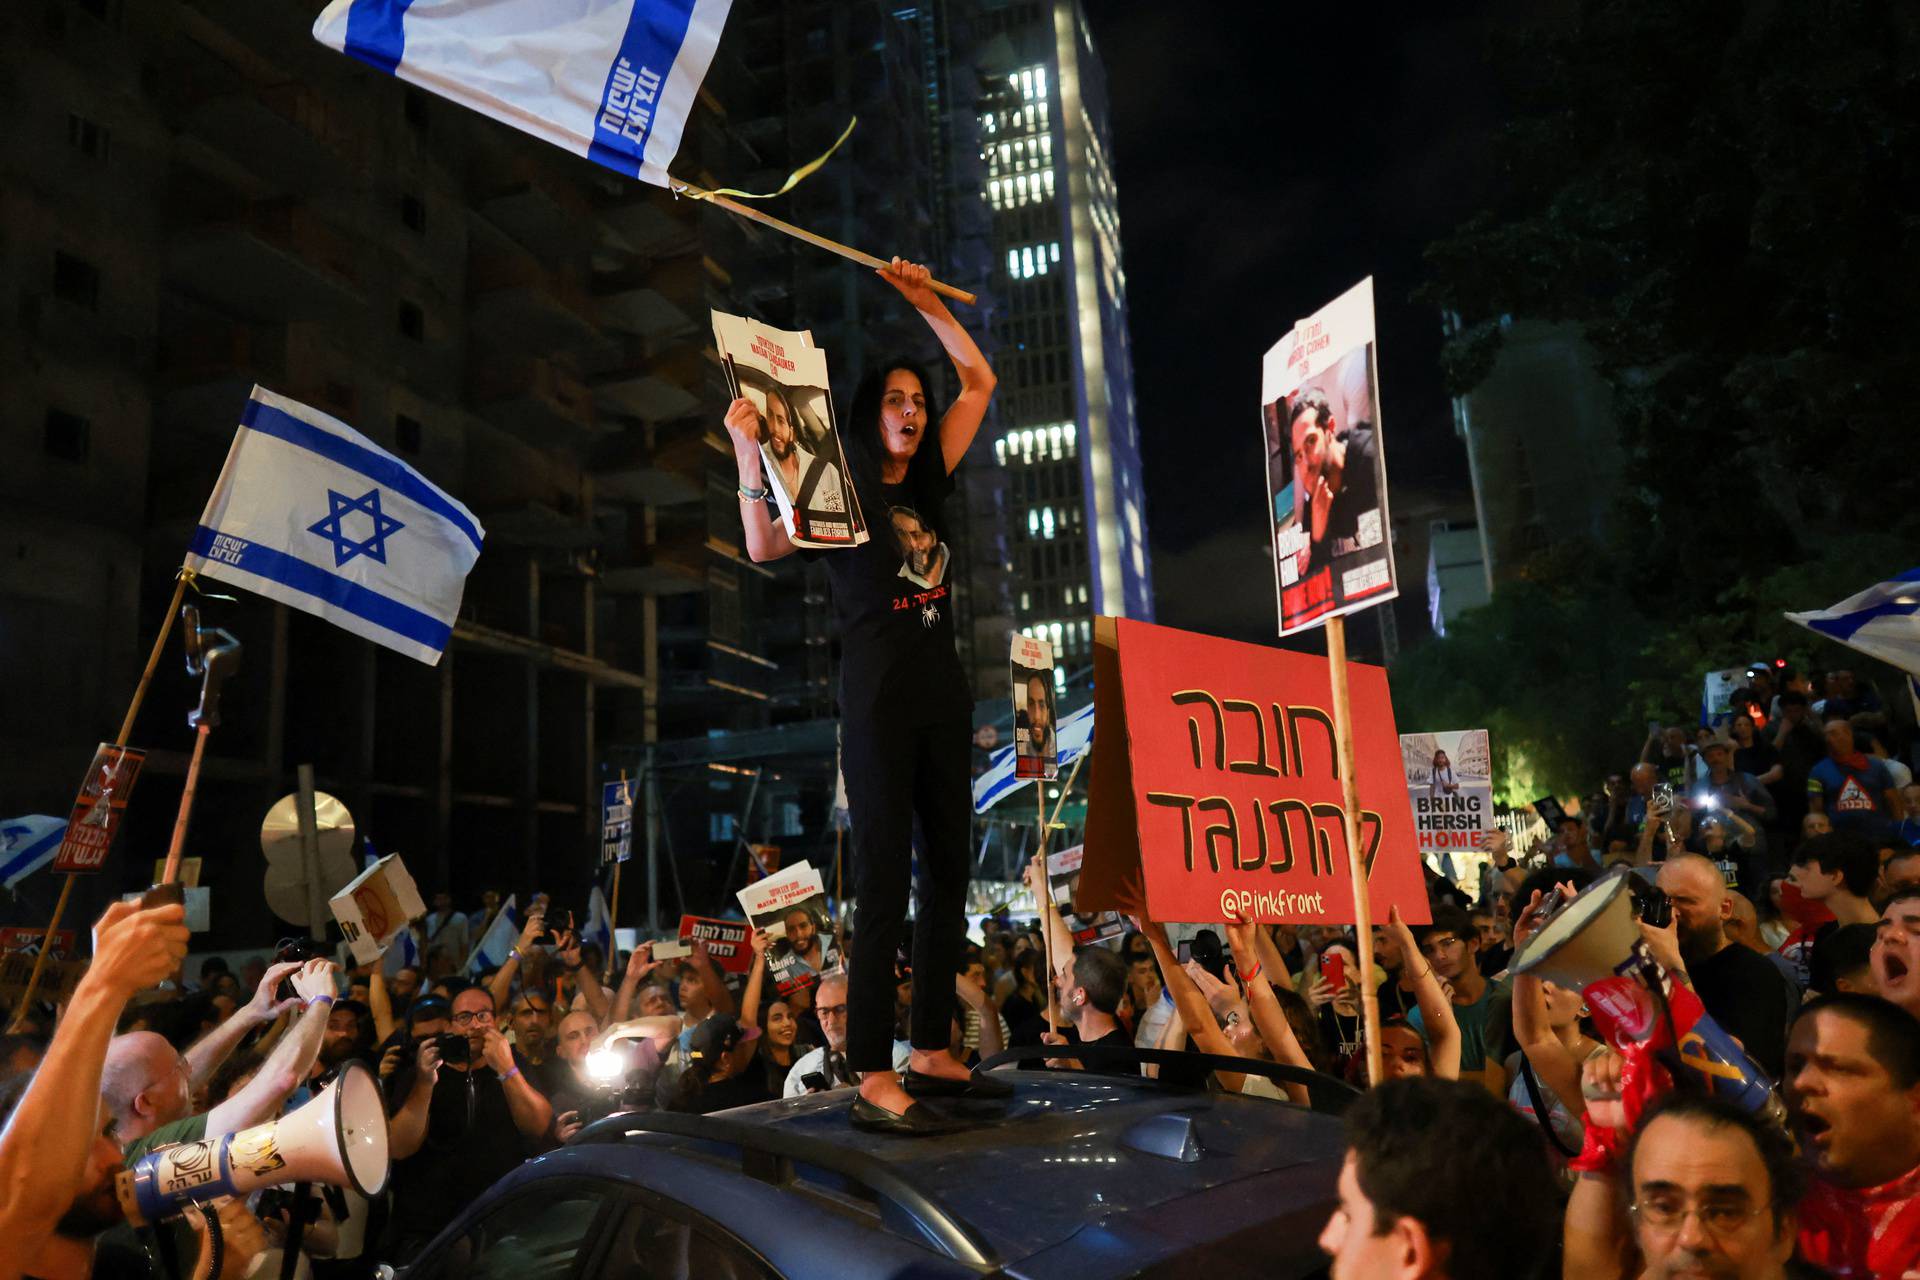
[[1333, 967]]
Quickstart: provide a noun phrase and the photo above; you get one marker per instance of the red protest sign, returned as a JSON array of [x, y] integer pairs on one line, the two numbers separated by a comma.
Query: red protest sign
[[726, 941], [97, 810], [29, 940], [1215, 783]]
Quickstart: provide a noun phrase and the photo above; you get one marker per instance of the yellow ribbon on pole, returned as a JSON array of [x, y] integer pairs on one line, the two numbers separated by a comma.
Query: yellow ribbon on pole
[[794, 179], [722, 198]]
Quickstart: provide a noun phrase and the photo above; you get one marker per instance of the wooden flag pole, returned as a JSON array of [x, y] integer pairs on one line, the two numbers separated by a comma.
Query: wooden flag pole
[[1046, 906], [613, 908], [172, 870], [839, 894], [1350, 810], [120, 739], [681, 187]]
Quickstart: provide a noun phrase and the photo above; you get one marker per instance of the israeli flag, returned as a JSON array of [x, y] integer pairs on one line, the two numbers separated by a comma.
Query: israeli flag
[[28, 844], [1883, 620], [313, 514], [497, 941], [1073, 736], [611, 80], [599, 926], [403, 954]]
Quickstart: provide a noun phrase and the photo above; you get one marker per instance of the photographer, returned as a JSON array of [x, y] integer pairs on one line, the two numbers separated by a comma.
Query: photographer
[[1740, 988], [467, 1115]]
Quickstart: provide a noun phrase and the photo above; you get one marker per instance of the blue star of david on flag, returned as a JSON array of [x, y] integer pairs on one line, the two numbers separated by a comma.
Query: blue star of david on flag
[[258, 529], [345, 547]]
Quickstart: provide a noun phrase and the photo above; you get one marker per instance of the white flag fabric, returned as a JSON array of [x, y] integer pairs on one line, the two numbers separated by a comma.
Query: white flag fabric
[[611, 80], [313, 514], [1073, 736], [498, 940], [599, 926], [1883, 620], [28, 844]]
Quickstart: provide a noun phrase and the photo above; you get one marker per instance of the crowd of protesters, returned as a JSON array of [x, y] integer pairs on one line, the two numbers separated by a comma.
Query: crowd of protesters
[[1497, 1143]]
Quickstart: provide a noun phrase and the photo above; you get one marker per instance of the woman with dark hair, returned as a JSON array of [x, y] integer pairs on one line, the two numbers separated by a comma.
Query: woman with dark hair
[[905, 710]]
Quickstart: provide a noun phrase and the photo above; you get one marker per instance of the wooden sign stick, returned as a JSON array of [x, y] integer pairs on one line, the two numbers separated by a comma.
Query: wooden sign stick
[[613, 908], [126, 727], [1350, 808]]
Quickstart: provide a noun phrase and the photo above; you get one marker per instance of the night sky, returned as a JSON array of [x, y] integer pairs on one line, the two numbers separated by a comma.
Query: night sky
[[1263, 168]]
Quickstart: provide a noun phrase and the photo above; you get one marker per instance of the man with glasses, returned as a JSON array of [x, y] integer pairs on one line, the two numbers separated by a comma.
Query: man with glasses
[[1712, 1192], [470, 1116], [1482, 1007], [826, 1067]]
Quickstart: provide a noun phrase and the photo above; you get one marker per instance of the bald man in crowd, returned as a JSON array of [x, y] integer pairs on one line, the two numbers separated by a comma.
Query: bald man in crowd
[[148, 1084], [1741, 989]]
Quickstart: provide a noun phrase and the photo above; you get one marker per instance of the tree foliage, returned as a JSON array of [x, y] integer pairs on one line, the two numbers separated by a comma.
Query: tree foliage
[[1724, 196]]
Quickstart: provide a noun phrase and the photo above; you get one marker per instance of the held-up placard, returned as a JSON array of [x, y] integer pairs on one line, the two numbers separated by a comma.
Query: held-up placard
[[616, 822], [726, 941], [98, 808], [1216, 784], [375, 906]]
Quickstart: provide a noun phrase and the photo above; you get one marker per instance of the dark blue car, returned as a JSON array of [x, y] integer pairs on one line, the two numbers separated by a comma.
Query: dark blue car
[[1081, 1176]]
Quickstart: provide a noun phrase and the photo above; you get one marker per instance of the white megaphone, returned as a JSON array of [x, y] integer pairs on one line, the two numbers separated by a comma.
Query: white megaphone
[[1591, 938], [339, 1138]]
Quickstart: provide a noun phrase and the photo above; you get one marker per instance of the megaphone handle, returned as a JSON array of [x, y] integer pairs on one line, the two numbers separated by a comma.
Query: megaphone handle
[[296, 1229]]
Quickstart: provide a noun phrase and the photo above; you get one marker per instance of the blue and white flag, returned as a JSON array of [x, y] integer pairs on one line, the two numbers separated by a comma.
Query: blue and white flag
[[28, 844], [611, 80], [1883, 620], [1074, 734], [313, 514], [599, 926], [403, 954], [497, 941]]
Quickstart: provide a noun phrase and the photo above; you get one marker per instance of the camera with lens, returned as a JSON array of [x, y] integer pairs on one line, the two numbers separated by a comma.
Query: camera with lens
[[1651, 905], [453, 1047], [295, 951], [1208, 952]]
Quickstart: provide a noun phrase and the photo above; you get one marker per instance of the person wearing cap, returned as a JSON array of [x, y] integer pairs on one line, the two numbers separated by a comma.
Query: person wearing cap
[[712, 1078], [1742, 802]]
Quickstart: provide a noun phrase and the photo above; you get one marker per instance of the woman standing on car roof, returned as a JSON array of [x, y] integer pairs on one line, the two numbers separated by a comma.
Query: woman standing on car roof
[[905, 710]]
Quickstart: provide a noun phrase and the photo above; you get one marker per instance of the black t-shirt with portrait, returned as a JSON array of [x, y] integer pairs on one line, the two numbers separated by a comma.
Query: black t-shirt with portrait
[[894, 597]]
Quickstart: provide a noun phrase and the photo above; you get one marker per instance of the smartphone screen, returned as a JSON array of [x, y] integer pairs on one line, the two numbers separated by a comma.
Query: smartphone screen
[[1185, 952]]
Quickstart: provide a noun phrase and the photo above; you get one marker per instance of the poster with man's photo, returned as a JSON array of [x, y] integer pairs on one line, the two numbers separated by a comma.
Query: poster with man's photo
[[1063, 879], [1036, 748], [791, 905], [784, 376], [1450, 780], [1326, 470]]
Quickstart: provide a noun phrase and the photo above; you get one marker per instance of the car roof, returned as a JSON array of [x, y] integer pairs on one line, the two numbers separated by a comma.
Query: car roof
[[1070, 1148]]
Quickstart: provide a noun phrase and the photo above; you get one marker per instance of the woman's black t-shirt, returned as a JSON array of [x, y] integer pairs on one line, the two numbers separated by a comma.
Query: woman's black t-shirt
[[893, 598]]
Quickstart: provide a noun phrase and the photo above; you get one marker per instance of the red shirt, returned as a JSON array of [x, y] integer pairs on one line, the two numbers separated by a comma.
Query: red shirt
[[1872, 1232]]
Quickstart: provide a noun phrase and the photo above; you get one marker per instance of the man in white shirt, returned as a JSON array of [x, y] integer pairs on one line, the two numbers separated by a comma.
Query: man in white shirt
[[830, 1061]]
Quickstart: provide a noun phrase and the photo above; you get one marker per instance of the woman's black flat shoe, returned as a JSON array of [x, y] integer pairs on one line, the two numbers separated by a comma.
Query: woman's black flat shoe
[[977, 1086], [916, 1122]]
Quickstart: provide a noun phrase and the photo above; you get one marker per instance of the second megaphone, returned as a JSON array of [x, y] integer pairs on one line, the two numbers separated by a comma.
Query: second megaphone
[[339, 1138]]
